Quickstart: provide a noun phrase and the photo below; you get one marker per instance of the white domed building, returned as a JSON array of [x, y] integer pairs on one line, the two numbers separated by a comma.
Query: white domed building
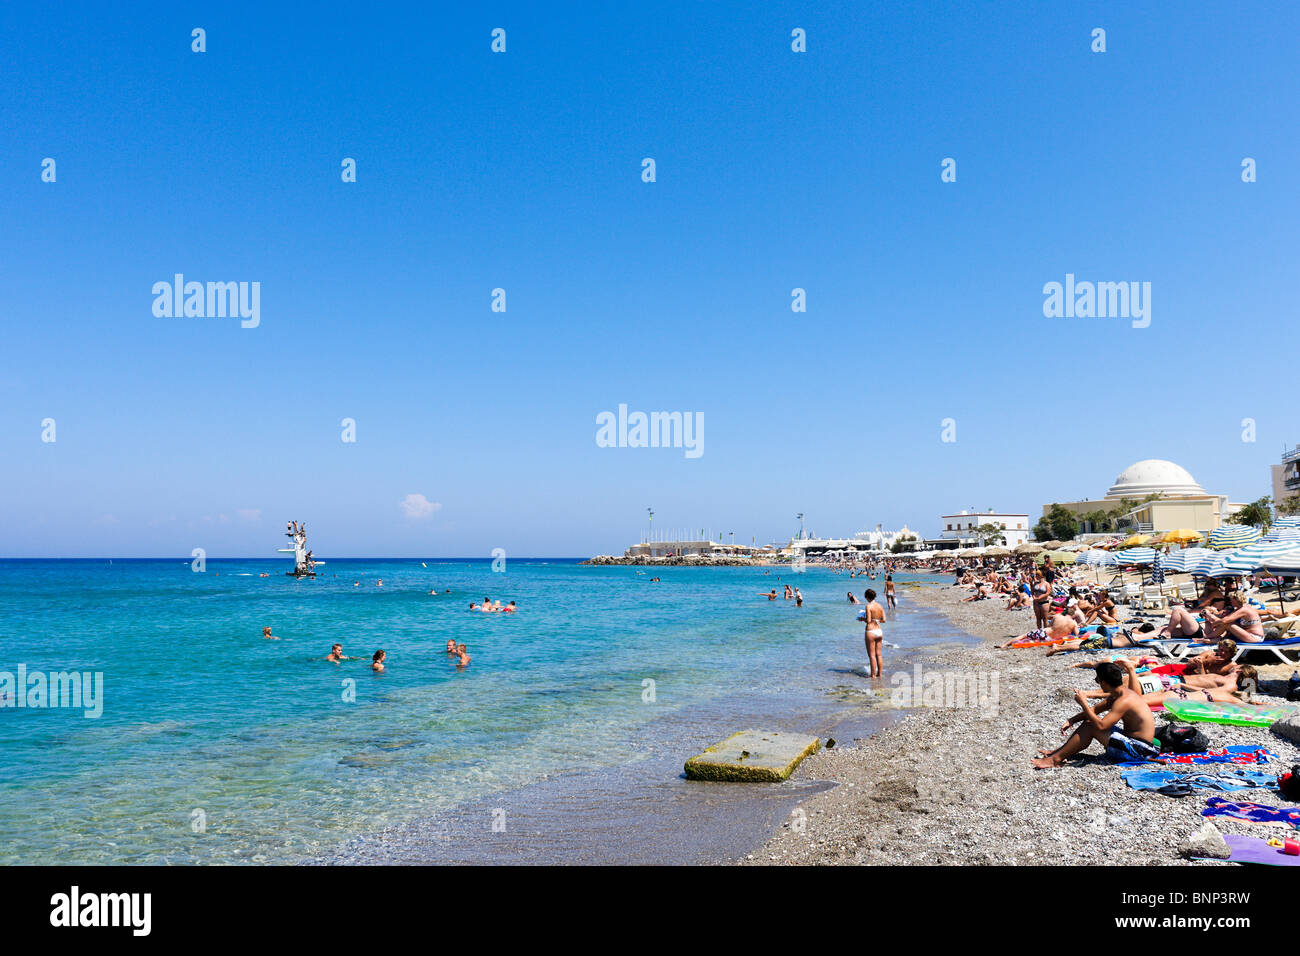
[[1161, 496]]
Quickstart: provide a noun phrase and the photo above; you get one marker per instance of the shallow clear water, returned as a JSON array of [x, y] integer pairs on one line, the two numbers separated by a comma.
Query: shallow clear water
[[201, 714]]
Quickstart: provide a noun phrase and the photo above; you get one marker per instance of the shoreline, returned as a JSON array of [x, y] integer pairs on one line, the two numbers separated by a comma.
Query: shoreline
[[954, 785]]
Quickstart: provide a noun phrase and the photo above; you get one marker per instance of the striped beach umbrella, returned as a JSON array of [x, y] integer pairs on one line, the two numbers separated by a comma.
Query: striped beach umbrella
[[1135, 555], [1287, 521], [1196, 561], [1232, 536], [1248, 560], [1275, 533], [1287, 563]]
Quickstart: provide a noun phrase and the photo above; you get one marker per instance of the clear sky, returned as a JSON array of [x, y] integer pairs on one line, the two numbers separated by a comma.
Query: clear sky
[[523, 171]]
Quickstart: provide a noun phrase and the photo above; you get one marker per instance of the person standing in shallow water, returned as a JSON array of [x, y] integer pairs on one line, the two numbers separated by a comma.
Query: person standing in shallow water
[[875, 635], [889, 592]]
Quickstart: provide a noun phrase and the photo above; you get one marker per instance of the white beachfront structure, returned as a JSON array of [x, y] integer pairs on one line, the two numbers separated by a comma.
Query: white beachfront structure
[[877, 540], [958, 530]]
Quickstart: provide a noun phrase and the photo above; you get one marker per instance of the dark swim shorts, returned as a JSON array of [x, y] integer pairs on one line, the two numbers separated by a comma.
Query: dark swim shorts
[[1120, 748]]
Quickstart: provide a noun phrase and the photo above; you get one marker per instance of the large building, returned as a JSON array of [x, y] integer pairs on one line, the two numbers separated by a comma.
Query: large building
[[957, 531], [1286, 476], [1161, 496]]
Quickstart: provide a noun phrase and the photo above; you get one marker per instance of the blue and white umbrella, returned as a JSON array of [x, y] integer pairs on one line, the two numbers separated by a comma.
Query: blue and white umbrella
[[1098, 557], [1248, 560], [1287, 521], [1232, 536], [1290, 535], [1196, 561], [1135, 555], [1287, 563]]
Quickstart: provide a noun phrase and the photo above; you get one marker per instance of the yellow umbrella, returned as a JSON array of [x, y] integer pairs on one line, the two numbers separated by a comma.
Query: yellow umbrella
[[1136, 541], [1182, 536]]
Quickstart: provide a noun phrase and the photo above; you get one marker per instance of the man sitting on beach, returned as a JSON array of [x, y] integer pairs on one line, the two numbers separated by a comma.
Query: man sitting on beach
[[1120, 706], [1063, 628]]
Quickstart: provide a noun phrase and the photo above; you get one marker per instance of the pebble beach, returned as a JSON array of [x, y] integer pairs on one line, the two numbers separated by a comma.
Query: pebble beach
[[954, 785]]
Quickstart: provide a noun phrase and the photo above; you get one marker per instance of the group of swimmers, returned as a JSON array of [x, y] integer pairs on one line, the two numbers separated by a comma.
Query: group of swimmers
[[791, 594], [336, 656], [488, 606]]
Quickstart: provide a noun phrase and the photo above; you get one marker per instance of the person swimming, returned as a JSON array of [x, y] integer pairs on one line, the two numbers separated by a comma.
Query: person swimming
[[451, 646], [336, 654], [798, 598], [377, 662], [463, 660], [266, 633]]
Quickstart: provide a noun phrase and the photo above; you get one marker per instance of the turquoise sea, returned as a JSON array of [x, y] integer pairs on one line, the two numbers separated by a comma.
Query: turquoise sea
[[217, 746]]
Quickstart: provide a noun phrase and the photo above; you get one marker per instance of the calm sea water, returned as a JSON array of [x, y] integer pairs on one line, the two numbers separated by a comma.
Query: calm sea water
[[205, 722]]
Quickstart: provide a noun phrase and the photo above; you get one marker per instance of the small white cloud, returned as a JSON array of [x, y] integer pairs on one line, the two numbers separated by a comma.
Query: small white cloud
[[418, 506], [250, 514]]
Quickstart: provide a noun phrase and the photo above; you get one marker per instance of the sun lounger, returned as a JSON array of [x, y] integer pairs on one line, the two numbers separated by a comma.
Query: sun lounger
[[1273, 649]]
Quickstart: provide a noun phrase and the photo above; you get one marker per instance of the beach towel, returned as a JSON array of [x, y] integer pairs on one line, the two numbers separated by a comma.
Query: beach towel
[[1171, 783], [1254, 850], [1261, 813], [1238, 753]]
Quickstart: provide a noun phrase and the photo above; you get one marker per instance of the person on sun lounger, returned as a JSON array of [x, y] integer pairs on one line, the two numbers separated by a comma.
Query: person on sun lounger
[[1120, 721], [1242, 621]]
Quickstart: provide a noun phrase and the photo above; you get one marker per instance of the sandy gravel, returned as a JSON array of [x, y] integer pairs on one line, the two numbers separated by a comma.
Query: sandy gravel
[[955, 786]]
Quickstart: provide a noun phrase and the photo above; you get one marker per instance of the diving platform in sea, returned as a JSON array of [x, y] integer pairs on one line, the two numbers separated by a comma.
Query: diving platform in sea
[[304, 563]]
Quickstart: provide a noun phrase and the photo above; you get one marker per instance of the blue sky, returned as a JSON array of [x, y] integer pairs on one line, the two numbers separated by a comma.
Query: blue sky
[[522, 170]]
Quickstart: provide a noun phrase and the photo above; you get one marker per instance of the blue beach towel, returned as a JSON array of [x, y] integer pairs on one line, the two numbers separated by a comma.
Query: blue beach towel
[[1174, 784]]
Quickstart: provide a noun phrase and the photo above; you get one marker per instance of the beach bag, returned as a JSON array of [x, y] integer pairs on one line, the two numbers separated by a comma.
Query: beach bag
[[1289, 784], [1181, 739]]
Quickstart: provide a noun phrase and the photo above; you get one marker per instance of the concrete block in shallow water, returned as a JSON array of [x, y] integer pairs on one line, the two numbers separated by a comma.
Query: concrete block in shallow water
[[752, 756]]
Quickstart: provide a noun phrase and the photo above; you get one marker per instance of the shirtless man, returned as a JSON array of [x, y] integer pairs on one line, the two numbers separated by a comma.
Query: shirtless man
[[875, 634], [1063, 628], [462, 661], [889, 593], [1121, 707], [798, 598], [336, 654], [451, 647], [770, 595]]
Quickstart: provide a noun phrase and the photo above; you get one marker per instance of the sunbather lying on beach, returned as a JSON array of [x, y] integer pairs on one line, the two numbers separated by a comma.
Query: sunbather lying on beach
[[1121, 707], [1223, 689], [1063, 628], [1218, 661], [1102, 637]]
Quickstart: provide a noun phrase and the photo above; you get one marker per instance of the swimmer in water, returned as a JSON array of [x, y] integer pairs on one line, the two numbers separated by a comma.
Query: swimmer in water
[[336, 654], [853, 598], [356, 584], [789, 593], [463, 660], [379, 583], [451, 647], [510, 608], [770, 595], [798, 598], [377, 662], [266, 633]]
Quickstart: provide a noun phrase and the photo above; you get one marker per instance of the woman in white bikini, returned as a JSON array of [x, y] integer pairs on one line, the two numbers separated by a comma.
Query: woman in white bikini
[[875, 636]]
